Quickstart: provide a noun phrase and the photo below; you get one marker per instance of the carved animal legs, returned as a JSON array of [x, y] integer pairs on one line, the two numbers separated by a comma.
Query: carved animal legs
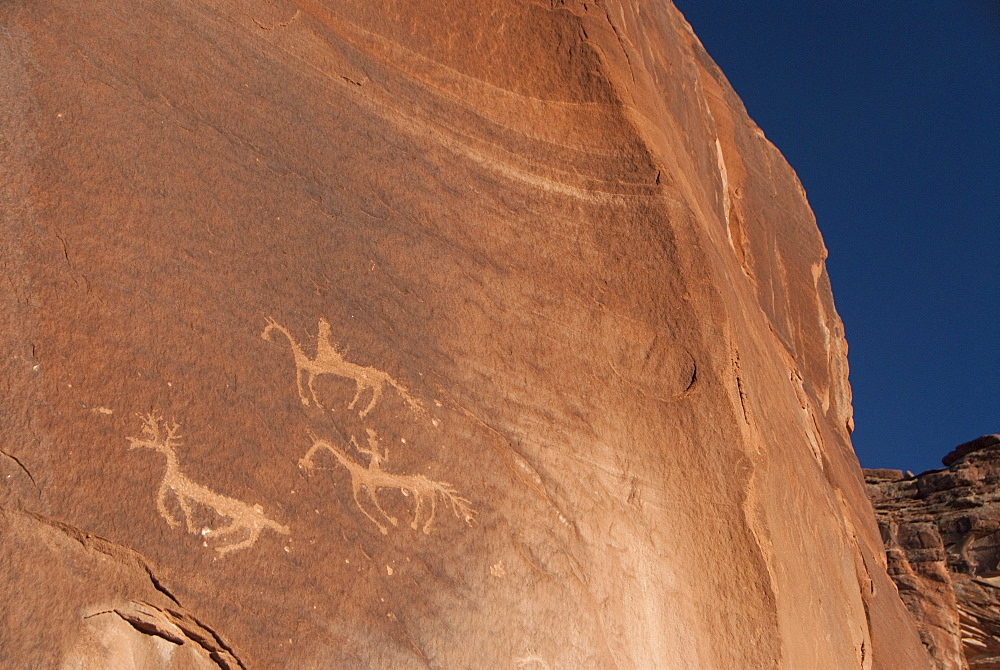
[[223, 530], [376, 394], [186, 508], [416, 512], [224, 549], [358, 388], [298, 383], [371, 494], [232, 527], [382, 529], [430, 519], [161, 507], [312, 389]]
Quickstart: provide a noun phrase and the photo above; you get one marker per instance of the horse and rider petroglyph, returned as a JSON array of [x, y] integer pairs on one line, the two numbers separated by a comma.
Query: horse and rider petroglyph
[[161, 436], [371, 477], [366, 477], [329, 360]]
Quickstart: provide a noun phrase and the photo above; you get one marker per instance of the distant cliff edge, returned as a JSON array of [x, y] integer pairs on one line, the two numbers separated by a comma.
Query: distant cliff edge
[[940, 530]]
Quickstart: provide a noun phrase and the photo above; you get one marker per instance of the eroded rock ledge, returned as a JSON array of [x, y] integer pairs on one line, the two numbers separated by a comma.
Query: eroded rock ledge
[[940, 530]]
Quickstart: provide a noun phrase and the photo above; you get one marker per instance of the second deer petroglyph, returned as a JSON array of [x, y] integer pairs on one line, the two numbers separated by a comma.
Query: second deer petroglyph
[[242, 517], [370, 478], [330, 360]]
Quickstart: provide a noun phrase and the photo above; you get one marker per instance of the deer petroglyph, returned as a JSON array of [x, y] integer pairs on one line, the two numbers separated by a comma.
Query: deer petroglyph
[[161, 436], [371, 477], [330, 360]]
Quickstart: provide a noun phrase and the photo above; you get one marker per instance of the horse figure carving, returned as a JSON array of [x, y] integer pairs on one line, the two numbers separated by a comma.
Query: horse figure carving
[[329, 360], [242, 517], [372, 477]]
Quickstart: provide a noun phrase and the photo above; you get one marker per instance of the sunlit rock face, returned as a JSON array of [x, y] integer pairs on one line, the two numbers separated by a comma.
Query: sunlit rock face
[[415, 335], [942, 538]]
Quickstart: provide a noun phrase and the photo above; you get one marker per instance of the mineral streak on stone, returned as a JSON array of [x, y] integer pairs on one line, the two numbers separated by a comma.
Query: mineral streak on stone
[[551, 224], [942, 536]]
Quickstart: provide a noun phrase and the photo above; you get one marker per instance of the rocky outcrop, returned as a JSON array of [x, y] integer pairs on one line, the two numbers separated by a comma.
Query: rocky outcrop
[[942, 536], [461, 334]]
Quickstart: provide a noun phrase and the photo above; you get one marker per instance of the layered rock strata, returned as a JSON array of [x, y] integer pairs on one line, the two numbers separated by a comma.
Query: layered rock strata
[[460, 334], [942, 535]]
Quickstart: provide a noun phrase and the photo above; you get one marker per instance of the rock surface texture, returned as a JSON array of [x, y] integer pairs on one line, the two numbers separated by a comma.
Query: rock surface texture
[[460, 334], [942, 536]]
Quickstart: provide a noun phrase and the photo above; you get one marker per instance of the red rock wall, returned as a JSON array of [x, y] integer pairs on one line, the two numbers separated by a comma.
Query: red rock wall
[[573, 299]]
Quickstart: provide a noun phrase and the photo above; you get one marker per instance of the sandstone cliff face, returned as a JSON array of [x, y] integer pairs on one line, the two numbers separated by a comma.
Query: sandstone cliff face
[[942, 537], [453, 335]]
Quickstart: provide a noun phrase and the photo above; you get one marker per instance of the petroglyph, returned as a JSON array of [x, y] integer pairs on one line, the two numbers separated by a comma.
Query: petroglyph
[[161, 436], [371, 477], [330, 360]]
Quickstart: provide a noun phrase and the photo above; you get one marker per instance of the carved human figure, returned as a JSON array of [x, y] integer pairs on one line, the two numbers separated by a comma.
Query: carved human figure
[[371, 477], [330, 360], [161, 436]]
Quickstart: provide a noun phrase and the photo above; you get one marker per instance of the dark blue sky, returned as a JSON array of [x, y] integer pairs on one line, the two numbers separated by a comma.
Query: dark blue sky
[[889, 112]]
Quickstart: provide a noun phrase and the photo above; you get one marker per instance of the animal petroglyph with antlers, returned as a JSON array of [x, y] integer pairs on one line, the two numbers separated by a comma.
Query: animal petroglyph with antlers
[[370, 478], [161, 436], [330, 360]]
